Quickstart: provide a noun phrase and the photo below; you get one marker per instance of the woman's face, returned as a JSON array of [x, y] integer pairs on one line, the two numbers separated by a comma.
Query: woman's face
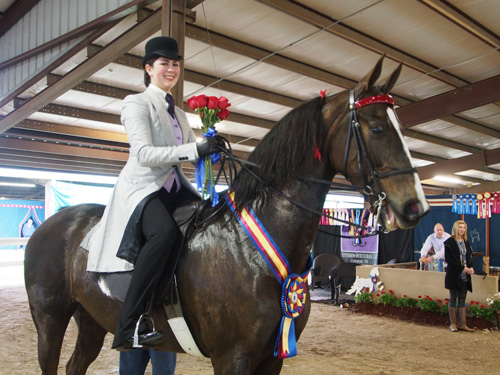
[[461, 230], [164, 73]]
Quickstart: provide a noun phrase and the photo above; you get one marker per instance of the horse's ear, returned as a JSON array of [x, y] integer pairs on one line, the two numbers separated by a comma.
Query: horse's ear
[[369, 80], [391, 80]]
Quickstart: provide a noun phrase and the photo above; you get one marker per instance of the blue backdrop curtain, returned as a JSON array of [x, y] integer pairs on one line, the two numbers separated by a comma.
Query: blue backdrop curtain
[[14, 214]]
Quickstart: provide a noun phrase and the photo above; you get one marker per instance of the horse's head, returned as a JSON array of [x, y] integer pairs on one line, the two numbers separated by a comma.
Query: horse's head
[[376, 157]]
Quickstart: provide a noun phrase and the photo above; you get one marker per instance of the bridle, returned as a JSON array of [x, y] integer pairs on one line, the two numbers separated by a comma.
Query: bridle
[[362, 155]]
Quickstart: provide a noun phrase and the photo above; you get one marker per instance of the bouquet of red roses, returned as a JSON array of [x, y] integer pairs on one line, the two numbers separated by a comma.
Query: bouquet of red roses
[[211, 111]]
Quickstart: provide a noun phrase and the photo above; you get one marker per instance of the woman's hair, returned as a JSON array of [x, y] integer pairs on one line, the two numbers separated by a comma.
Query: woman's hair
[[147, 78], [454, 231]]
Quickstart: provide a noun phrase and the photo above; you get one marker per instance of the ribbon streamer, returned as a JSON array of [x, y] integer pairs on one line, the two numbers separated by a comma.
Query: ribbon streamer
[[487, 212], [480, 206], [460, 204], [454, 207], [294, 290], [496, 203], [467, 204]]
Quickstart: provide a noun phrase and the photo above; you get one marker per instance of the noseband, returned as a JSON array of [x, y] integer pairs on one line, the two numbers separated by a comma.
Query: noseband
[[362, 155]]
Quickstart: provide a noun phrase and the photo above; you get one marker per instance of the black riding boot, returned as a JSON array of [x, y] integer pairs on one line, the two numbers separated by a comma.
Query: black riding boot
[[160, 231]]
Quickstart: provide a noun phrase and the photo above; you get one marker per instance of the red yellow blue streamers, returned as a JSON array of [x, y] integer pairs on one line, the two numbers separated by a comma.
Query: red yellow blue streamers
[[294, 287]]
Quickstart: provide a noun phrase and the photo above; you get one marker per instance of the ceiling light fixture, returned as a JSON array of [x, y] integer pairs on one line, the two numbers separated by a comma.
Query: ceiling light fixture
[[450, 179], [17, 184]]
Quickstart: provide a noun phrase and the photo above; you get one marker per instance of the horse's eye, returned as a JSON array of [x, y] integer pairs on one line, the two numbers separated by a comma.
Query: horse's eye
[[377, 130]]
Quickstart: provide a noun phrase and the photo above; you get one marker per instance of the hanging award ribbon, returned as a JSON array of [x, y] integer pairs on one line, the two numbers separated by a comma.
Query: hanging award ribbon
[[487, 197], [473, 207], [330, 219], [454, 207], [467, 204], [496, 203], [480, 206], [351, 220], [357, 214], [460, 204]]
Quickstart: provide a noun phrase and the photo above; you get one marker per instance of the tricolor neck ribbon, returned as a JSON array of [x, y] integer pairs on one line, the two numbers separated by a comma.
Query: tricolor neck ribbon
[[294, 287]]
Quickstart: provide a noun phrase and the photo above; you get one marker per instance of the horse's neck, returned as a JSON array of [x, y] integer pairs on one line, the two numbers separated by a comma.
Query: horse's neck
[[292, 227]]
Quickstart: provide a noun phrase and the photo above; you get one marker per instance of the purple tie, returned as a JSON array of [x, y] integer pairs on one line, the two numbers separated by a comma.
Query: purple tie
[[171, 104]]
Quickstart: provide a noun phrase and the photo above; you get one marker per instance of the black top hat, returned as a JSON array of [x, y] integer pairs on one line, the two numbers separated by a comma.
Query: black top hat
[[161, 46]]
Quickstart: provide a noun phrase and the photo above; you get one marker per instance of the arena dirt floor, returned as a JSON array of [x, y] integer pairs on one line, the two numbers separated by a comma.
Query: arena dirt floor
[[336, 341]]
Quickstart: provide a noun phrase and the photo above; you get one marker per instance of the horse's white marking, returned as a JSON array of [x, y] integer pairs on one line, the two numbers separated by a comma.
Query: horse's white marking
[[104, 287], [418, 187]]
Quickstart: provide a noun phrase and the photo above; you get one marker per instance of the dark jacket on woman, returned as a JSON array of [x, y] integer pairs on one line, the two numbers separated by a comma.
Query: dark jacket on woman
[[455, 267]]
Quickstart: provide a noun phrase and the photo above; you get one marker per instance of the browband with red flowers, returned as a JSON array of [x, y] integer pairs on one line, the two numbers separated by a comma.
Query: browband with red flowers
[[374, 100]]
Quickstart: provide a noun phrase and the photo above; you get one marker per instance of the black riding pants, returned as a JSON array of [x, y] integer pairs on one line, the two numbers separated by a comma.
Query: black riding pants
[[160, 233]]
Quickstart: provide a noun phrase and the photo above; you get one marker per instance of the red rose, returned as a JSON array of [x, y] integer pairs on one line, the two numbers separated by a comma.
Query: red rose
[[223, 114], [192, 102], [202, 101], [212, 102], [224, 103]]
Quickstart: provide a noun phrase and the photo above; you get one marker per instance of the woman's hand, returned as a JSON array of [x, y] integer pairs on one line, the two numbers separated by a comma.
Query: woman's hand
[[468, 271]]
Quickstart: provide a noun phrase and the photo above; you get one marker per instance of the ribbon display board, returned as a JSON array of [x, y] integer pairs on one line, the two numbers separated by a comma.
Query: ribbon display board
[[481, 205]]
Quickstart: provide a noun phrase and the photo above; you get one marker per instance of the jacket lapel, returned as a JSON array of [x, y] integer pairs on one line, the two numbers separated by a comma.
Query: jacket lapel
[[161, 109]]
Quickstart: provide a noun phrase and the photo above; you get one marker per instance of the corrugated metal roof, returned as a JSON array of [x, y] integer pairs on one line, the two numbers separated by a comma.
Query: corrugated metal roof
[[267, 57]]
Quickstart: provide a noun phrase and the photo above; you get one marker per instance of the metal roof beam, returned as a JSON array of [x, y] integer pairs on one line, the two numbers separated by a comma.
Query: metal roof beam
[[484, 186], [62, 149], [227, 43], [16, 11], [475, 161], [206, 80], [452, 102], [77, 131], [321, 21], [117, 47], [439, 141], [73, 112], [446, 10], [94, 88]]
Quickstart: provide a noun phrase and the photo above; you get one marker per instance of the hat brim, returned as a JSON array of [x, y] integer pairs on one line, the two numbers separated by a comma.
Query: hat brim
[[166, 54]]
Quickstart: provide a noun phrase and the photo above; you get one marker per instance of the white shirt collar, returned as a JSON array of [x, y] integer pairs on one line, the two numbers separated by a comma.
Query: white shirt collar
[[161, 94]]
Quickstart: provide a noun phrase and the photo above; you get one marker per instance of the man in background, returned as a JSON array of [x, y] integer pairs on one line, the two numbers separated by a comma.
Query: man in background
[[434, 242]]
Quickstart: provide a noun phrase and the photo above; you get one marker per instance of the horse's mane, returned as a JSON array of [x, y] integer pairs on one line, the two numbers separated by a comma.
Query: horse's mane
[[287, 149]]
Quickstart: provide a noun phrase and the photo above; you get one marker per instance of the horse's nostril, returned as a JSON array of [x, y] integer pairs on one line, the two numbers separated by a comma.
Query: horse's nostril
[[413, 208]]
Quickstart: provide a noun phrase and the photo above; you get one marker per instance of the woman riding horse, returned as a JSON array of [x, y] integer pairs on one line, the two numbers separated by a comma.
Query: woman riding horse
[[230, 298], [137, 230]]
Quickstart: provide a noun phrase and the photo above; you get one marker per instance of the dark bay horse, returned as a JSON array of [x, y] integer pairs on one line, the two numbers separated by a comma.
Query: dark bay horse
[[230, 297]]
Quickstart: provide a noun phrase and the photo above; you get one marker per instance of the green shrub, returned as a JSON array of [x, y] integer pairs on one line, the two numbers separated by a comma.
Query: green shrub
[[387, 299], [406, 301], [364, 297], [480, 311], [426, 303]]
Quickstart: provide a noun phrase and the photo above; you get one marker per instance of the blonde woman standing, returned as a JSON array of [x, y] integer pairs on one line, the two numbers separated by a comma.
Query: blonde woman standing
[[458, 255]]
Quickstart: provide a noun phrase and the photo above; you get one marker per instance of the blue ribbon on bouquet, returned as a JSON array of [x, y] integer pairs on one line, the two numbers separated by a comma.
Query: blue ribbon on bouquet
[[200, 172]]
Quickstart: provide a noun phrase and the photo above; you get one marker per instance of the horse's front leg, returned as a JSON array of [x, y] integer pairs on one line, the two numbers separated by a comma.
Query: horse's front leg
[[232, 364], [269, 366]]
